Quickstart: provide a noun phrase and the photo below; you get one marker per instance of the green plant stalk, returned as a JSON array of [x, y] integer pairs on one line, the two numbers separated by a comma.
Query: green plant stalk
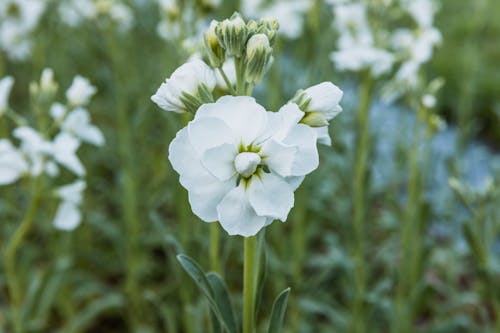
[[240, 73], [214, 247], [411, 250], [359, 205], [130, 213], [226, 80], [13, 282], [249, 287]]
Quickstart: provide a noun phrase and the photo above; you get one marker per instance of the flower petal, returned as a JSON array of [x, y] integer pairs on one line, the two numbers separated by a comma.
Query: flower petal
[[205, 199], [279, 157], [219, 161], [271, 196], [208, 133], [237, 216], [242, 114], [68, 216], [323, 135], [307, 158]]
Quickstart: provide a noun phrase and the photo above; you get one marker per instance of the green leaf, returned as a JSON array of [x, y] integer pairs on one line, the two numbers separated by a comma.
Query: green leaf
[[278, 312], [216, 328], [199, 277], [223, 301]]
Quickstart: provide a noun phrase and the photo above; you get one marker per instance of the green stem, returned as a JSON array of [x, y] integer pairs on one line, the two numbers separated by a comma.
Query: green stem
[[129, 200], [240, 73], [226, 80], [13, 281], [360, 171], [410, 238], [214, 247], [249, 274]]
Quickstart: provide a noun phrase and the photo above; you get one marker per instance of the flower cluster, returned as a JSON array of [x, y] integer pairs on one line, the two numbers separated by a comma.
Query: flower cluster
[[18, 19], [366, 43], [239, 162], [44, 150], [74, 12]]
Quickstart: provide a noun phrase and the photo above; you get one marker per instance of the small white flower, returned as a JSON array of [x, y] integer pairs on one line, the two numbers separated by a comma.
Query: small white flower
[[12, 163], [80, 91], [5, 87], [188, 79], [57, 111], [35, 148], [324, 98], [74, 12], [68, 215], [47, 82], [378, 61], [77, 123], [429, 101], [63, 150], [241, 164]]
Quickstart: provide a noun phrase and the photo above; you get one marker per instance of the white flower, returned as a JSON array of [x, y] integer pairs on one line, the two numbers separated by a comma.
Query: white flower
[[422, 11], [5, 87], [57, 111], [80, 91], [324, 98], [358, 58], [73, 12], [77, 123], [34, 147], [68, 215], [194, 79], [63, 150], [241, 164], [12, 163], [18, 18]]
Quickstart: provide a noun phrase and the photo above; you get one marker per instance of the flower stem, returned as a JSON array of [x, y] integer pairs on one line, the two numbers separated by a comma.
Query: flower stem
[[362, 151], [214, 247], [15, 241], [226, 80], [410, 238], [249, 274]]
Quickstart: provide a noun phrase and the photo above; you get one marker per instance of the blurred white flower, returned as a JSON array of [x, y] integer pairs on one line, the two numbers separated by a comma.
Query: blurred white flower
[[122, 15], [57, 111], [356, 47], [429, 101], [290, 14], [35, 148], [80, 91], [12, 163], [422, 11], [47, 83], [5, 87], [77, 123], [74, 12], [63, 149], [186, 88], [68, 215], [18, 18], [241, 164]]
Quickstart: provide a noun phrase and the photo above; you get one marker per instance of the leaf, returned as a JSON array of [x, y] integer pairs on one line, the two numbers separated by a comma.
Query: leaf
[[199, 277], [278, 312], [223, 301], [216, 328]]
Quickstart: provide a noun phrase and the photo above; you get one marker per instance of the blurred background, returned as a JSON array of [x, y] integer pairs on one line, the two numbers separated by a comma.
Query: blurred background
[[427, 252]]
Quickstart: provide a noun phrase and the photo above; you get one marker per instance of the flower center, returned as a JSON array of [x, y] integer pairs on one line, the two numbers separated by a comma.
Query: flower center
[[246, 163]]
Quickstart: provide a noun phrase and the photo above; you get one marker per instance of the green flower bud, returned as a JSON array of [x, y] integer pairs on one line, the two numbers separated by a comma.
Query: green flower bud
[[216, 53], [232, 34], [269, 27], [258, 57], [314, 119]]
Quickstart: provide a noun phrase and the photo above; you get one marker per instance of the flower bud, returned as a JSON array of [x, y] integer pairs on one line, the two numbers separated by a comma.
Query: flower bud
[[47, 83], [269, 27], [216, 54], [6, 84], [232, 34], [258, 57], [320, 103]]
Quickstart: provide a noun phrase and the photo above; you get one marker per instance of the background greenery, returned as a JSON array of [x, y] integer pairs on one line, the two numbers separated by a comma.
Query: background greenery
[[117, 272]]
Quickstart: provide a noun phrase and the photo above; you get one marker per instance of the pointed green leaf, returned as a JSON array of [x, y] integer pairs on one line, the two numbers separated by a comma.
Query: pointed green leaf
[[278, 312], [216, 328], [223, 301]]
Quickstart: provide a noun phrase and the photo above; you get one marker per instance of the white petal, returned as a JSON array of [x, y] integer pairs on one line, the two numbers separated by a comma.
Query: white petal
[[294, 181], [242, 114], [205, 199], [279, 157], [68, 216], [306, 158], [72, 192], [64, 152], [219, 161], [12, 163], [323, 135], [237, 216], [208, 133], [325, 97], [271, 196]]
